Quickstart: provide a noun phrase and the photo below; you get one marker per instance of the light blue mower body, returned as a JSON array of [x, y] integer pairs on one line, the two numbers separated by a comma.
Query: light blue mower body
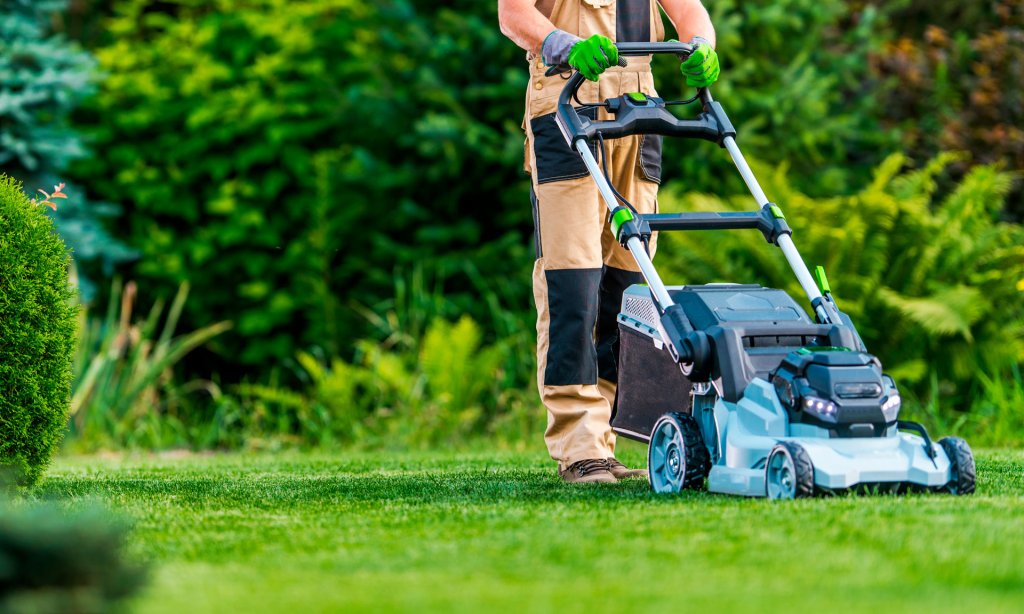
[[789, 409]]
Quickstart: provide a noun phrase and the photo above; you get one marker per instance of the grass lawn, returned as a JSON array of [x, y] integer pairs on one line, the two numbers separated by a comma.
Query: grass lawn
[[479, 532]]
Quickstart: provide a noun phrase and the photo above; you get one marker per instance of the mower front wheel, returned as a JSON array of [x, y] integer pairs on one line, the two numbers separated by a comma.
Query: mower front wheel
[[676, 456], [789, 473], [961, 465]]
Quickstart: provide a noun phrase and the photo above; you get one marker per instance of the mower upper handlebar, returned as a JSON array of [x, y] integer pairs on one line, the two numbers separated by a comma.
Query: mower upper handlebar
[[712, 125]]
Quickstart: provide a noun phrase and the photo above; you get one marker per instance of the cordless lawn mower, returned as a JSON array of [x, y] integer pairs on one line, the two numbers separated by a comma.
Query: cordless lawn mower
[[734, 384]]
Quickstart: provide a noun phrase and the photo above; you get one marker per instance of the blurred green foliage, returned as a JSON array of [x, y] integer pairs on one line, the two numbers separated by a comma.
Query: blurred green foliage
[[56, 561], [285, 157], [37, 329], [932, 279], [431, 382], [342, 181], [960, 70], [43, 77], [125, 389], [797, 83]]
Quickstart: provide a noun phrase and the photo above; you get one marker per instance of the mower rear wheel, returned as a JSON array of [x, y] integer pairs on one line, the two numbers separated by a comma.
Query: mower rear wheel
[[961, 465], [789, 473], [676, 456]]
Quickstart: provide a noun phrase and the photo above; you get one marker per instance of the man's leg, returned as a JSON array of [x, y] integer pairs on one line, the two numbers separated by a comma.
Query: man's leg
[[566, 281]]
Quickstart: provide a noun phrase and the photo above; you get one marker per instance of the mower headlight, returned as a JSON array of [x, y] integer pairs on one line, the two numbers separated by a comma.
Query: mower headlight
[[891, 407], [820, 407]]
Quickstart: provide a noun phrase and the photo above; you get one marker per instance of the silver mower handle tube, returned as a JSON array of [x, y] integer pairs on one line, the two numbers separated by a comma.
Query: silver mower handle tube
[[634, 245], [785, 242]]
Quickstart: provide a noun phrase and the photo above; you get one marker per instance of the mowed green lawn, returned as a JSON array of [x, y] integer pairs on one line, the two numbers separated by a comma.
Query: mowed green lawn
[[499, 532]]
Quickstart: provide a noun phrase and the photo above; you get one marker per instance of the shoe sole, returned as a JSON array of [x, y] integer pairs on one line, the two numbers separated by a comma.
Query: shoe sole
[[594, 479]]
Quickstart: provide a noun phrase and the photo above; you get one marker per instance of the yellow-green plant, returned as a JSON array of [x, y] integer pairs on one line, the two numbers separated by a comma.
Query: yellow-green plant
[[440, 388], [124, 392]]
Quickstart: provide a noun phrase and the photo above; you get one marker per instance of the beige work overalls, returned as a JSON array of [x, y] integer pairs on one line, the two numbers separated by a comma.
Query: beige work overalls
[[581, 271]]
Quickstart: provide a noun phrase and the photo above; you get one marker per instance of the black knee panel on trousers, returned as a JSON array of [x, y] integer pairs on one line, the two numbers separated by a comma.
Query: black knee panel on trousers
[[572, 309], [613, 283]]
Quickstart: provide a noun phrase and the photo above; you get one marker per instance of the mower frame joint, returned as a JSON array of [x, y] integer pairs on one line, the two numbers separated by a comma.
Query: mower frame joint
[[626, 225], [772, 223]]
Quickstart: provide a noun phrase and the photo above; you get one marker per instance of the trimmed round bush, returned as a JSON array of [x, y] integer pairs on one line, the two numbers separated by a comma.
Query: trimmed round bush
[[37, 335]]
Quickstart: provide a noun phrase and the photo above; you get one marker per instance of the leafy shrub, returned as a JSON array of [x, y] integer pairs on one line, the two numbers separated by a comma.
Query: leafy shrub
[[960, 81], [57, 562], [37, 334], [442, 391], [933, 280], [285, 157]]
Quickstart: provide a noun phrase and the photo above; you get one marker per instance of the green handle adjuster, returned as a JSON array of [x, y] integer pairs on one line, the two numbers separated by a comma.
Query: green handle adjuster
[[819, 273], [620, 217]]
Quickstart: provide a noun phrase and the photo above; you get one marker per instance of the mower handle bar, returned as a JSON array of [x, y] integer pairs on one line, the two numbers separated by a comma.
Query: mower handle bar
[[714, 127]]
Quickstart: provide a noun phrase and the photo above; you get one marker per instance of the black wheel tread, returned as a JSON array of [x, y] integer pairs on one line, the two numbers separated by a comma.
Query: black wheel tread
[[960, 454], [698, 461], [804, 469]]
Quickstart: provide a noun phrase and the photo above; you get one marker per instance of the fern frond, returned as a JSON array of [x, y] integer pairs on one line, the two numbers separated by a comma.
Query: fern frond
[[951, 311]]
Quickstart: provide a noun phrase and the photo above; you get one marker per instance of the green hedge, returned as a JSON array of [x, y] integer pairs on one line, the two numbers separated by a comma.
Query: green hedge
[[287, 158], [37, 335]]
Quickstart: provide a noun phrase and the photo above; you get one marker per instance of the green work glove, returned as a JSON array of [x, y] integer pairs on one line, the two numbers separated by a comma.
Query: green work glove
[[591, 56], [701, 68]]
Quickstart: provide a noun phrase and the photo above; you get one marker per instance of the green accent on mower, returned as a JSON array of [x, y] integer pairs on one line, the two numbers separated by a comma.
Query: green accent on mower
[[819, 273], [620, 217]]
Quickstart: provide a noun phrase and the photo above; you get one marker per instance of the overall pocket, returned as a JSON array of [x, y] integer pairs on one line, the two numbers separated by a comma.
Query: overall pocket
[[556, 161], [650, 157]]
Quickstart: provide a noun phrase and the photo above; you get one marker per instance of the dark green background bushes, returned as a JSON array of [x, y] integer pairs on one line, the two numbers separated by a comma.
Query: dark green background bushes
[[37, 335], [288, 157]]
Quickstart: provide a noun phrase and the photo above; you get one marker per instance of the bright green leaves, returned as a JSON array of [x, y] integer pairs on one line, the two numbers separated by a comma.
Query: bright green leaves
[[592, 56]]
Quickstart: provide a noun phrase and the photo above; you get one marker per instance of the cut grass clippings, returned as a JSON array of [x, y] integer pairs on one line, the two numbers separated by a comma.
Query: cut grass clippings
[[479, 532]]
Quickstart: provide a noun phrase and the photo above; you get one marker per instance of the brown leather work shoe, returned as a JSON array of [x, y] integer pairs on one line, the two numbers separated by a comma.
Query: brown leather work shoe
[[621, 471], [589, 471]]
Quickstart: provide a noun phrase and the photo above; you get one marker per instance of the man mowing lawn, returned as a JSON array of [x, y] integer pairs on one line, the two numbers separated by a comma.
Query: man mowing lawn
[[580, 271]]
